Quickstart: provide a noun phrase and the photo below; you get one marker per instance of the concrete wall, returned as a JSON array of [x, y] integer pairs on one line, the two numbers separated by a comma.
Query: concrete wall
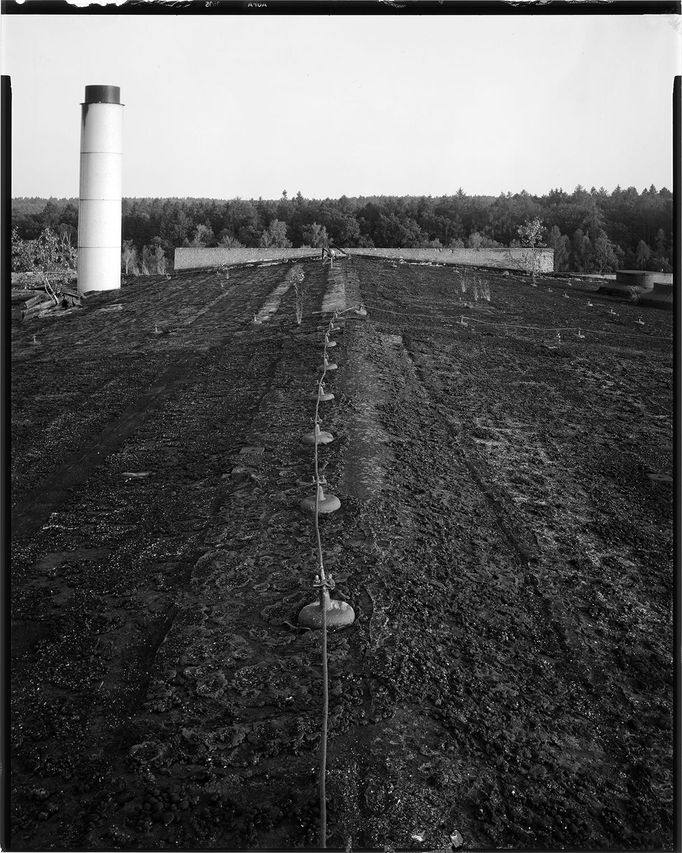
[[644, 279], [186, 259], [507, 258], [189, 259], [633, 282], [660, 296]]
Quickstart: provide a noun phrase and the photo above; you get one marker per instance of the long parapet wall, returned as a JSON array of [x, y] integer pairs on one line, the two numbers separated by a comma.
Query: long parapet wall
[[190, 259], [506, 258]]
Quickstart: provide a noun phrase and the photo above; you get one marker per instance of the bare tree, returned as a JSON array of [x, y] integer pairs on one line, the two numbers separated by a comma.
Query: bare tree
[[530, 234], [275, 236], [298, 276], [148, 260], [475, 240], [128, 255], [160, 258]]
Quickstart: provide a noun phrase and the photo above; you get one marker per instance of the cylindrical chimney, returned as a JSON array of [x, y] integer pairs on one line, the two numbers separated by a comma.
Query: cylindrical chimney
[[99, 209]]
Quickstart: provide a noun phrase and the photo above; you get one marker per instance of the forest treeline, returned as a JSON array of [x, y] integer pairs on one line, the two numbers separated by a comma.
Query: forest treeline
[[590, 231]]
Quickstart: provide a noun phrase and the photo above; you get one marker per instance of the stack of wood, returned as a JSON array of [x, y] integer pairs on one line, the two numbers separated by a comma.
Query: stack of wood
[[69, 298], [37, 303], [29, 303]]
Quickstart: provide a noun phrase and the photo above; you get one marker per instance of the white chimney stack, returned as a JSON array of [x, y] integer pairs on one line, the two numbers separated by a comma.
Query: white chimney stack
[[99, 209]]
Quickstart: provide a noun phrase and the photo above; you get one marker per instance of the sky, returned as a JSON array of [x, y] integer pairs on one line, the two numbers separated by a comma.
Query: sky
[[249, 106]]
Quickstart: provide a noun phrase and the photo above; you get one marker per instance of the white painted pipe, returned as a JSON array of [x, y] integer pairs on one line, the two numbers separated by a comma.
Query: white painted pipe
[[99, 209]]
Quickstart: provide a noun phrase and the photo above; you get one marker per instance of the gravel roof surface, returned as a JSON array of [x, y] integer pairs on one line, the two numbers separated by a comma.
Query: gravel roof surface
[[505, 537]]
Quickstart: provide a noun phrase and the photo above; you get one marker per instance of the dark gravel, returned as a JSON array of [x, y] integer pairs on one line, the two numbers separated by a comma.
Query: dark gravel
[[505, 538]]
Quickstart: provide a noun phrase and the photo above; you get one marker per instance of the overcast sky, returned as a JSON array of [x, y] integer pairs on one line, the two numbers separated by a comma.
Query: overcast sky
[[248, 106]]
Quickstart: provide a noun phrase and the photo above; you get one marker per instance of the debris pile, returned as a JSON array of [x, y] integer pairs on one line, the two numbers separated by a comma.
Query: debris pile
[[36, 302]]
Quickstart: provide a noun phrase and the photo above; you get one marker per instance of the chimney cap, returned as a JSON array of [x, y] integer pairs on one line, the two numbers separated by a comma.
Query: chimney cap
[[102, 95]]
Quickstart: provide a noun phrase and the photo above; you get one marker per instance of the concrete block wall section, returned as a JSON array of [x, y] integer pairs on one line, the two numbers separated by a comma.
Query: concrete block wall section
[[504, 258], [189, 259]]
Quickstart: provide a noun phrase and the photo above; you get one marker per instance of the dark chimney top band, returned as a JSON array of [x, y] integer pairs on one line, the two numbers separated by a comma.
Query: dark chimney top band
[[102, 95]]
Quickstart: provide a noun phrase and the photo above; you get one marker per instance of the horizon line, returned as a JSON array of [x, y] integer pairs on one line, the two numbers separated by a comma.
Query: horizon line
[[289, 197]]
